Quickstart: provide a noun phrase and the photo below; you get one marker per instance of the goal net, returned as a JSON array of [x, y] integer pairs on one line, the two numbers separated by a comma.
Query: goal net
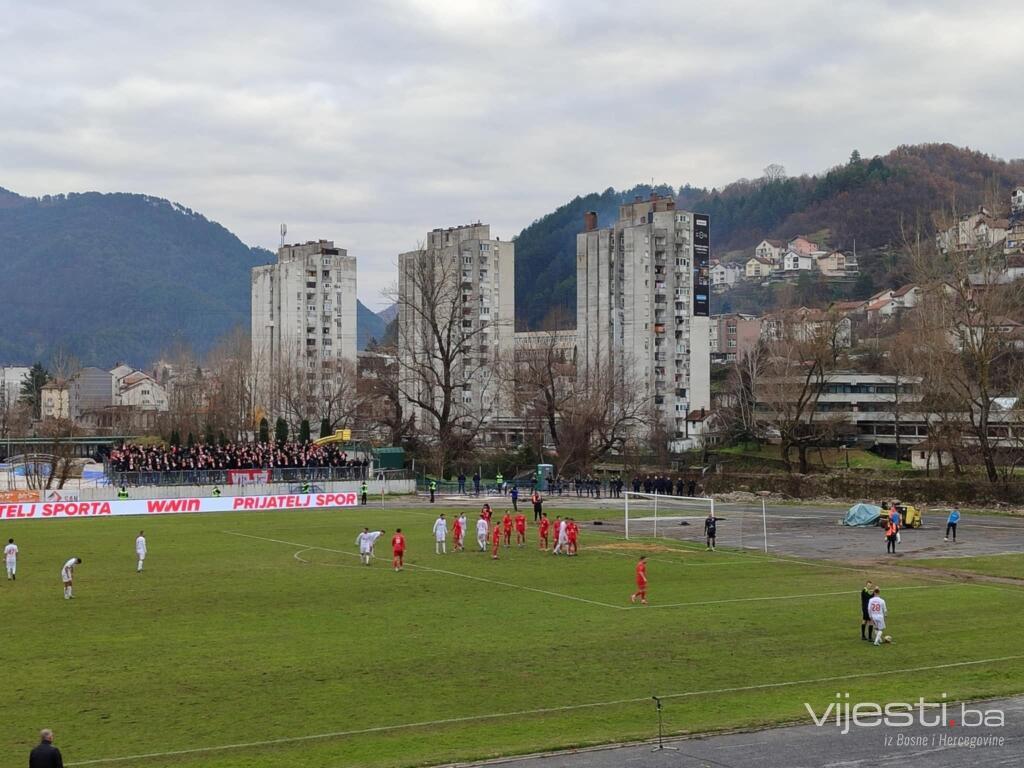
[[655, 515], [659, 515]]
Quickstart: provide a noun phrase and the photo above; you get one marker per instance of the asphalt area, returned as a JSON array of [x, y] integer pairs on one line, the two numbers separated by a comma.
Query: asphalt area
[[803, 531], [795, 530], [810, 746]]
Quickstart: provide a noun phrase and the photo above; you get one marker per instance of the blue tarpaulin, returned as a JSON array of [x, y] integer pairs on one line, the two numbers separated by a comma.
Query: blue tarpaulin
[[862, 514]]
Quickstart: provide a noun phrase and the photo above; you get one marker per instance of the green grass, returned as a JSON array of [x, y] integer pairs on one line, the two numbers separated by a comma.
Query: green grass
[[1009, 565], [229, 640], [834, 458]]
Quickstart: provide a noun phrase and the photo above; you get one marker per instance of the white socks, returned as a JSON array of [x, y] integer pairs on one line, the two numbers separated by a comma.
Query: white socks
[[139, 569], [67, 593]]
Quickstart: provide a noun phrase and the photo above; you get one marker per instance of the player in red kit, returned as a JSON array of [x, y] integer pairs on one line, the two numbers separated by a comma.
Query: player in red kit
[[457, 533], [520, 529], [486, 512], [506, 527], [398, 550], [572, 532], [641, 582], [495, 541], [542, 530]]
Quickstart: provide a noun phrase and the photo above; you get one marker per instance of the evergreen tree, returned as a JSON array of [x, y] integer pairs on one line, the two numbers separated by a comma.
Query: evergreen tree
[[281, 430], [222, 438], [304, 431], [325, 428], [191, 440], [854, 157], [175, 438], [32, 389], [208, 435], [264, 430]]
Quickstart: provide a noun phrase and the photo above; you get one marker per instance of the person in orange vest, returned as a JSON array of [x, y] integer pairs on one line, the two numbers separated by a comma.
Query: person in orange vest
[[892, 531]]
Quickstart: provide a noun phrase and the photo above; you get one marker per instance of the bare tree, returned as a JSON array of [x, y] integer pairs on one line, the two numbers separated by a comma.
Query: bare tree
[[740, 418], [382, 407], [971, 319], [444, 352], [800, 356]]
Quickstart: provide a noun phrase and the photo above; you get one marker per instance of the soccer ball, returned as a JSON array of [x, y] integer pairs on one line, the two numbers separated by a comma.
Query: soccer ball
[[887, 638]]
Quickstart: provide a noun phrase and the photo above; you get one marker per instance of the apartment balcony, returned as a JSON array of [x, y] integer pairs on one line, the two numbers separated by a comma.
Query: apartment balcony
[[660, 356], [659, 327]]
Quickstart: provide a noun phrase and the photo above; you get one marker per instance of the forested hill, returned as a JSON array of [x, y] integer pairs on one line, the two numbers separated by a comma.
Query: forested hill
[[863, 199], [120, 277]]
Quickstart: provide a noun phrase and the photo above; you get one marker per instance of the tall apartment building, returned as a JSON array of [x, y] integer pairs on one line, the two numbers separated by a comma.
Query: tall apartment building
[[303, 316], [642, 302], [473, 286]]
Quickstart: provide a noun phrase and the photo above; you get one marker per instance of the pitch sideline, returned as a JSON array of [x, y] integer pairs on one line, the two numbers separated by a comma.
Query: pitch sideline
[[539, 711]]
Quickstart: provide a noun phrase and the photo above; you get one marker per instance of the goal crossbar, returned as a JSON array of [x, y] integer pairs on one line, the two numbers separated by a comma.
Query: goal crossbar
[[666, 502]]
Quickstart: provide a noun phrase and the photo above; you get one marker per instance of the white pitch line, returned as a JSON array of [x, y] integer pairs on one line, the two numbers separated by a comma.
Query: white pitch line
[[449, 573], [797, 597], [540, 711]]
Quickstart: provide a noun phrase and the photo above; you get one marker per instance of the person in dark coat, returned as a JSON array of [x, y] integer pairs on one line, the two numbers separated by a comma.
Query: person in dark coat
[[45, 755]]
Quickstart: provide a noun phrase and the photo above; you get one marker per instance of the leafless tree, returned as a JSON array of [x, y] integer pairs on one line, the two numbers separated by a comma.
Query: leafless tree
[[740, 419], [800, 357], [971, 318], [445, 353]]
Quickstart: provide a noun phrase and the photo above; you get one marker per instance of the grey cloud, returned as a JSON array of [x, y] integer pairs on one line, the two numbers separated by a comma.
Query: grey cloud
[[371, 123]]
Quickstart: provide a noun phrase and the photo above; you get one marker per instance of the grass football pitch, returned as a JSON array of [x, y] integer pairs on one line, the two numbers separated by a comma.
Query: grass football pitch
[[257, 640]]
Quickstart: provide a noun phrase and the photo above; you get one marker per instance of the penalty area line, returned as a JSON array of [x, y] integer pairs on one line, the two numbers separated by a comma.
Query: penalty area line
[[540, 711], [442, 570]]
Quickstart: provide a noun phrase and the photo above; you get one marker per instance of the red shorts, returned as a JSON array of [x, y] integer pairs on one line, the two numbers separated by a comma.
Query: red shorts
[[398, 553], [641, 586]]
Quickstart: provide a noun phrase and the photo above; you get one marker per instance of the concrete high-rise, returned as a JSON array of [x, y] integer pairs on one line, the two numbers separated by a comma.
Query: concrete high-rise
[[303, 317], [463, 282], [642, 304]]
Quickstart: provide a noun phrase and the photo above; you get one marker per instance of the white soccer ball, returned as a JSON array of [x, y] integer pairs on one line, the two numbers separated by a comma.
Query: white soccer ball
[[887, 638]]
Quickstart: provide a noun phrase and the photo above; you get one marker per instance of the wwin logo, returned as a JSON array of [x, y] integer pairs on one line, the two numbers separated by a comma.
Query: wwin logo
[[846, 714]]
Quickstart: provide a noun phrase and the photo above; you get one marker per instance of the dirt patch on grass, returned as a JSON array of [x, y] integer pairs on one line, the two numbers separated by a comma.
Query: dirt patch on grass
[[643, 549]]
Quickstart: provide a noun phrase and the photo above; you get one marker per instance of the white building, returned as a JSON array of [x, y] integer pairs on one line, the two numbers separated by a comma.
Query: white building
[[303, 316], [11, 379], [770, 251], [724, 276], [138, 390], [642, 303], [472, 282], [794, 261]]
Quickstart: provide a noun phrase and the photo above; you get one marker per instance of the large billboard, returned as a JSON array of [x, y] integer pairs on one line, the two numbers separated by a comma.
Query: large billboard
[[701, 265]]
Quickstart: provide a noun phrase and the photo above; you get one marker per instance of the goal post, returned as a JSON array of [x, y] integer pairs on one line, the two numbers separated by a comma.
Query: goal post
[[656, 514]]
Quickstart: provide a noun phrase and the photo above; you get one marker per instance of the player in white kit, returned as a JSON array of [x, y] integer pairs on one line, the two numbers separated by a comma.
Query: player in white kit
[[67, 573], [440, 535], [561, 537], [366, 540], [877, 610], [11, 556], [482, 529], [140, 550]]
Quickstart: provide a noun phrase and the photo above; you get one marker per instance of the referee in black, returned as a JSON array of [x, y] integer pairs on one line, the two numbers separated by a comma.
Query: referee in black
[[45, 755], [865, 619]]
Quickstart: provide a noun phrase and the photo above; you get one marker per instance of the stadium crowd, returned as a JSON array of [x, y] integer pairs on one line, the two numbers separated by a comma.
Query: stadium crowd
[[202, 456]]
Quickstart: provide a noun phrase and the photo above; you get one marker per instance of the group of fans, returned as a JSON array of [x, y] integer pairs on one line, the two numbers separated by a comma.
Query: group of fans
[[203, 456]]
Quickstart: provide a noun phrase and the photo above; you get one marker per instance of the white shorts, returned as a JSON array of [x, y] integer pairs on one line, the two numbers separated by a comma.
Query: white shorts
[[879, 623], [141, 555], [441, 539], [12, 565]]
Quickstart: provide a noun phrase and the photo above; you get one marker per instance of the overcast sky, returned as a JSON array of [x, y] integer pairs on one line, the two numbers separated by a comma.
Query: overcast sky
[[371, 122]]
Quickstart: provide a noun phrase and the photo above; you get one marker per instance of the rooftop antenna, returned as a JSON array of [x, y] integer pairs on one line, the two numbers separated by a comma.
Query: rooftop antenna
[[284, 231]]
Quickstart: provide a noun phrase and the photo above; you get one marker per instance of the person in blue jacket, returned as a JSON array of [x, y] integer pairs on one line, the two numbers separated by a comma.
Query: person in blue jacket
[[951, 521]]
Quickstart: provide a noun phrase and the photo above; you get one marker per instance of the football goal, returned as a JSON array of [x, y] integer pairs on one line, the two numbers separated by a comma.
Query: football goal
[[656, 514]]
